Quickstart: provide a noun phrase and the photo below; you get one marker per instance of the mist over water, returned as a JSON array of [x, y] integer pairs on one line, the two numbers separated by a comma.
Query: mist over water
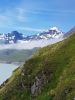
[[30, 44], [6, 71]]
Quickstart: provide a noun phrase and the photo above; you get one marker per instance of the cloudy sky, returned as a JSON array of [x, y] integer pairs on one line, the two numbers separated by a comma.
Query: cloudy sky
[[34, 16]]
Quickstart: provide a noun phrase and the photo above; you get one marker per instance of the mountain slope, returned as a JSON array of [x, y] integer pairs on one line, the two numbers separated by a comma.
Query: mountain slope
[[70, 32], [48, 75], [13, 55]]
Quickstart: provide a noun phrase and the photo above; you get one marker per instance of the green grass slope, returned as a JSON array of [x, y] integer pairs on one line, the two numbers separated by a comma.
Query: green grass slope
[[48, 75]]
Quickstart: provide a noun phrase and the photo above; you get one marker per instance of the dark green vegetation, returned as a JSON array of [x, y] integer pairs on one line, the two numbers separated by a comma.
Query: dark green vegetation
[[48, 75], [13, 55]]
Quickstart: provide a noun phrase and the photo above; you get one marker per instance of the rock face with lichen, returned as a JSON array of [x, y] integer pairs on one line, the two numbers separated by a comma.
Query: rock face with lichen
[[38, 84]]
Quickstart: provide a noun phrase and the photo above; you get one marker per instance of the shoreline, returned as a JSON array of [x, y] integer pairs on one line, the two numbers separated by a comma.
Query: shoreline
[[14, 63]]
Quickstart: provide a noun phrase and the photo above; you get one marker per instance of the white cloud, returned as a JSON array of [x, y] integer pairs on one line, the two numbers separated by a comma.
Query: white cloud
[[31, 29], [30, 44], [9, 18], [5, 20], [21, 15]]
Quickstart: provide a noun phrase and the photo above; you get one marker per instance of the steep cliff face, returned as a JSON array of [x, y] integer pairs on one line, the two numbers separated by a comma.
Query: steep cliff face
[[48, 75]]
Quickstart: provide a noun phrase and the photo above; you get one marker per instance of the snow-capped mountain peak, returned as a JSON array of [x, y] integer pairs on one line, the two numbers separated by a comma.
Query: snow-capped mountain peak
[[54, 28]]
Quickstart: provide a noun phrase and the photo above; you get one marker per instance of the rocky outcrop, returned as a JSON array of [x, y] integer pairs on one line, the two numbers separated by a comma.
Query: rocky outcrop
[[37, 86]]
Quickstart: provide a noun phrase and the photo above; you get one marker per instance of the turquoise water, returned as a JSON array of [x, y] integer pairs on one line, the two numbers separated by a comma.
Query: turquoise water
[[6, 71]]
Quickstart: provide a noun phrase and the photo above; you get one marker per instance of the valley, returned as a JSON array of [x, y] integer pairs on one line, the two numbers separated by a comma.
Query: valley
[[48, 75], [15, 56]]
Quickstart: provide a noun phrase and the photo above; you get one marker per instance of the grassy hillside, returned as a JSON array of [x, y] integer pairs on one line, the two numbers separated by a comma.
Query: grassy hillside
[[48, 75], [13, 55]]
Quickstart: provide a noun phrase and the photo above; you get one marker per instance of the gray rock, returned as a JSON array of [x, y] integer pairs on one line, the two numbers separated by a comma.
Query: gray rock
[[38, 84]]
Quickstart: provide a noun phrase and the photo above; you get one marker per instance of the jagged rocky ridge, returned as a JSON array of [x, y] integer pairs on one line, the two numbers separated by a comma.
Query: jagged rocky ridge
[[15, 36]]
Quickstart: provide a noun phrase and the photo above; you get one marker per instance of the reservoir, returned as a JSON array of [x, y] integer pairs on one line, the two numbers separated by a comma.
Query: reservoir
[[6, 71]]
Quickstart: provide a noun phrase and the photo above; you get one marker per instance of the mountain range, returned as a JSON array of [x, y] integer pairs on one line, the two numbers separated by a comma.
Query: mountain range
[[16, 47], [48, 75], [15, 36]]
